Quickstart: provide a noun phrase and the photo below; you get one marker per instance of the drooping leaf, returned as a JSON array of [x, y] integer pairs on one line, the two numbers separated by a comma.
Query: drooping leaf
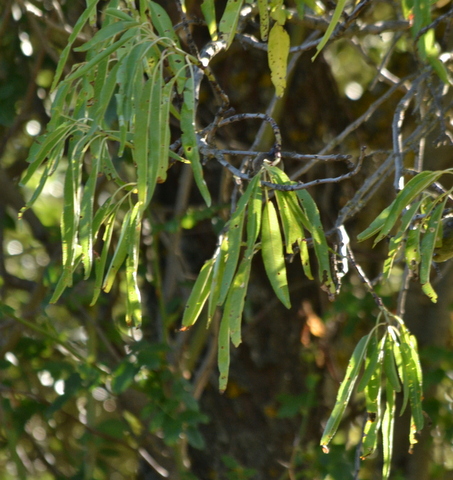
[[427, 249], [319, 240], [198, 296], [189, 137], [278, 50], [229, 21], [388, 422], [272, 251], [345, 391], [208, 9], [264, 19], [223, 356], [234, 304]]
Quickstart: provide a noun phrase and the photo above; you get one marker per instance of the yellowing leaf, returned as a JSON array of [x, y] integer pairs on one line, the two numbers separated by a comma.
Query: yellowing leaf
[[278, 49]]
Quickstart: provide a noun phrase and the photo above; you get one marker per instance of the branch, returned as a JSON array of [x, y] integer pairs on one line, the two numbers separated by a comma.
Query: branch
[[319, 181]]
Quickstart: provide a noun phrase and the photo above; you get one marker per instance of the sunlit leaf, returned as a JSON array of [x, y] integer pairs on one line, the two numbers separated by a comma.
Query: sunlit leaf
[[345, 391], [272, 251], [278, 50], [198, 296], [229, 21]]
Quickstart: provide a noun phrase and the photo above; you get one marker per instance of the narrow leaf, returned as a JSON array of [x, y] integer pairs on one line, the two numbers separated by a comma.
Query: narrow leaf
[[189, 138], [229, 21], [223, 355], [272, 251], [278, 50], [345, 391], [198, 296]]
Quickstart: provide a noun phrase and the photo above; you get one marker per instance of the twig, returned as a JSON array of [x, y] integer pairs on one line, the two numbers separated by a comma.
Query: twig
[[397, 123], [319, 181], [365, 279]]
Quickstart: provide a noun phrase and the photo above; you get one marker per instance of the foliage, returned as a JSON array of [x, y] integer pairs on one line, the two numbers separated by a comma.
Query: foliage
[[128, 108]]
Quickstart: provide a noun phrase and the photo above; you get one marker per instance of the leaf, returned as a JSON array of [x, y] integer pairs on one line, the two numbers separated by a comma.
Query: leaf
[[319, 240], [189, 137], [106, 33], [272, 251], [412, 249], [371, 363], [208, 9], [388, 423], [427, 249], [229, 21], [87, 13], [83, 69], [389, 365], [86, 207], [234, 304], [119, 255], [234, 239], [396, 242], [100, 261], [406, 196], [375, 226], [345, 391], [223, 355], [264, 19], [217, 276], [330, 29], [141, 144], [412, 367], [254, 211], [133, 297], [198, 296], [278, 50]]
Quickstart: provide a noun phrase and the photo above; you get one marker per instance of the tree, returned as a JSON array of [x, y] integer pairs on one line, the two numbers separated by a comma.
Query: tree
[[192, 155]]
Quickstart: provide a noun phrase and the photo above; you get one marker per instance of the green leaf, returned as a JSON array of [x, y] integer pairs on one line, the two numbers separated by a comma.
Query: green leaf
[[389, 365], [133, 298], [406, 196], [234, 239], [208, 9], [388, 423], [412, 249], [330, 29], [371, 363], [217, 276], [85, 68], [189, 137], [411, 362], [229, 21], [234, 304], [272, 251], [319, 240], [278, 50], [119, 255], [264, 19], [106, 33], [427, 249], [198, 296], [223, 355], [345, 391], [254, 211], [375, 226], [141, 144], [86, 207], [100, 261], [396, 242], [87, 13]]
